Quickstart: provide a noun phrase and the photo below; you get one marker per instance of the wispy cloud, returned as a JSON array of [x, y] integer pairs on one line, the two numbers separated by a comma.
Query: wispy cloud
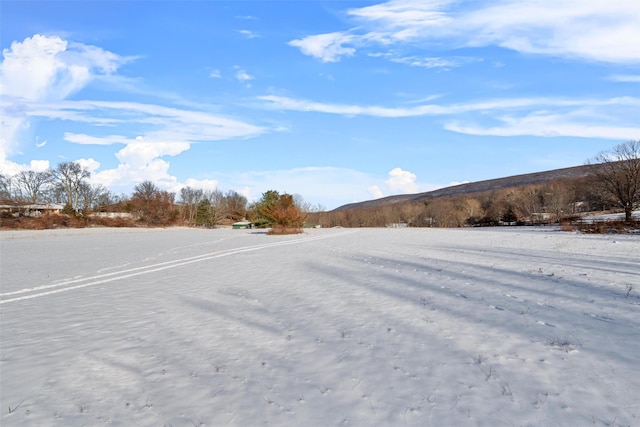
[[588, 30], [56, 68], [243, 76], [425, 61], [625, 78], [286, 103], [593, 118], [249, 34], [547, 125], [434, 62]]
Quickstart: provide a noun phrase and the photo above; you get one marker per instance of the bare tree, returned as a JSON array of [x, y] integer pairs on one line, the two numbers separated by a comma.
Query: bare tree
[[93, 196], [558, 199], [70, 176], [190, 198], [145, 191], [152, 205], [235, 205], [6, 187], [31, 183], [618, 172]]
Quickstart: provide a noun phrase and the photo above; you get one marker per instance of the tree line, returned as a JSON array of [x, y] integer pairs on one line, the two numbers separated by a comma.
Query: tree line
[[613, 183], [68, 184]]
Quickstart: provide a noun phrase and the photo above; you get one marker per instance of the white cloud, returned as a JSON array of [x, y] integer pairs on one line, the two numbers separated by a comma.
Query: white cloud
[[89, 164], [625, 78], [375, 192], [80, 138], [286, 103], [215, 74], [38, 165], [44, 69], [140, 154], [141, 161], [428, 62], [589, 30], [326, 47], [249, 34], [243, 76], [328, 186], [204, 184], [401, 181], [156, 123], [547, 125], [325, 185], [595, 118], [40, 72]]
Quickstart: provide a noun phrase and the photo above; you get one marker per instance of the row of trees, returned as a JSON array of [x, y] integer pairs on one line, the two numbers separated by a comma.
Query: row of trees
[[533, 204], [207, 208], [66, 184], [614, 182]]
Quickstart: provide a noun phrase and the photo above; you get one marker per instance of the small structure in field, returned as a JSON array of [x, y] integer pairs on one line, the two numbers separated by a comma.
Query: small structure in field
[[32, 210], [242, 224]]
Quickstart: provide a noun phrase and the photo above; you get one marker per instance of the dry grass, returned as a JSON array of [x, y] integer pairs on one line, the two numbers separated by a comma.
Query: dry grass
[[278, 230], [603, 227], [46, 222]]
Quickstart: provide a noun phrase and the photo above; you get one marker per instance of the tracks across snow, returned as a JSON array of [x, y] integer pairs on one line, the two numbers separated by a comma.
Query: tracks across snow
[[84, 282]]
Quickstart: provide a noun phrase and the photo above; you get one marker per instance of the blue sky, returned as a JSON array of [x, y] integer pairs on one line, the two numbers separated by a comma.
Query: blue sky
[[337, 101]]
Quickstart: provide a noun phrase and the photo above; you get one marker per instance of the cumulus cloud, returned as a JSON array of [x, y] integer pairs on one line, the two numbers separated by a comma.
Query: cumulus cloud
[[401, 181], [89, 164], [375, 192], [204, 184], [44, 69], [38, 75], [141, 161], [588, 30], [39, 165]]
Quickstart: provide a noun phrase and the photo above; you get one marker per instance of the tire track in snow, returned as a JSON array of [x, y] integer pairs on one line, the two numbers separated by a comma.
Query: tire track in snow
[[79, 283]]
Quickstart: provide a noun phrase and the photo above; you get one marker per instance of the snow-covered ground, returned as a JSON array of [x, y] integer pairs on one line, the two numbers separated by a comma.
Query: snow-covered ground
[[366, 327], [610, 217]]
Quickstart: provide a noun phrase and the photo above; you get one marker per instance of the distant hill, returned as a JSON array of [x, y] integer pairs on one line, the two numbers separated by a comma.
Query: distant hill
[[477, 187]]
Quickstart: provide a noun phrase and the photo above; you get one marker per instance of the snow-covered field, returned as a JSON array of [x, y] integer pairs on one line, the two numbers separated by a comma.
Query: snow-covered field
[[366, 327]]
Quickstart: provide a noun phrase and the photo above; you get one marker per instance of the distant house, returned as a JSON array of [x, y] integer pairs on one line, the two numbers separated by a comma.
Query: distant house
[[398, 225], [33, 210], [112, 215], [242, 224]]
